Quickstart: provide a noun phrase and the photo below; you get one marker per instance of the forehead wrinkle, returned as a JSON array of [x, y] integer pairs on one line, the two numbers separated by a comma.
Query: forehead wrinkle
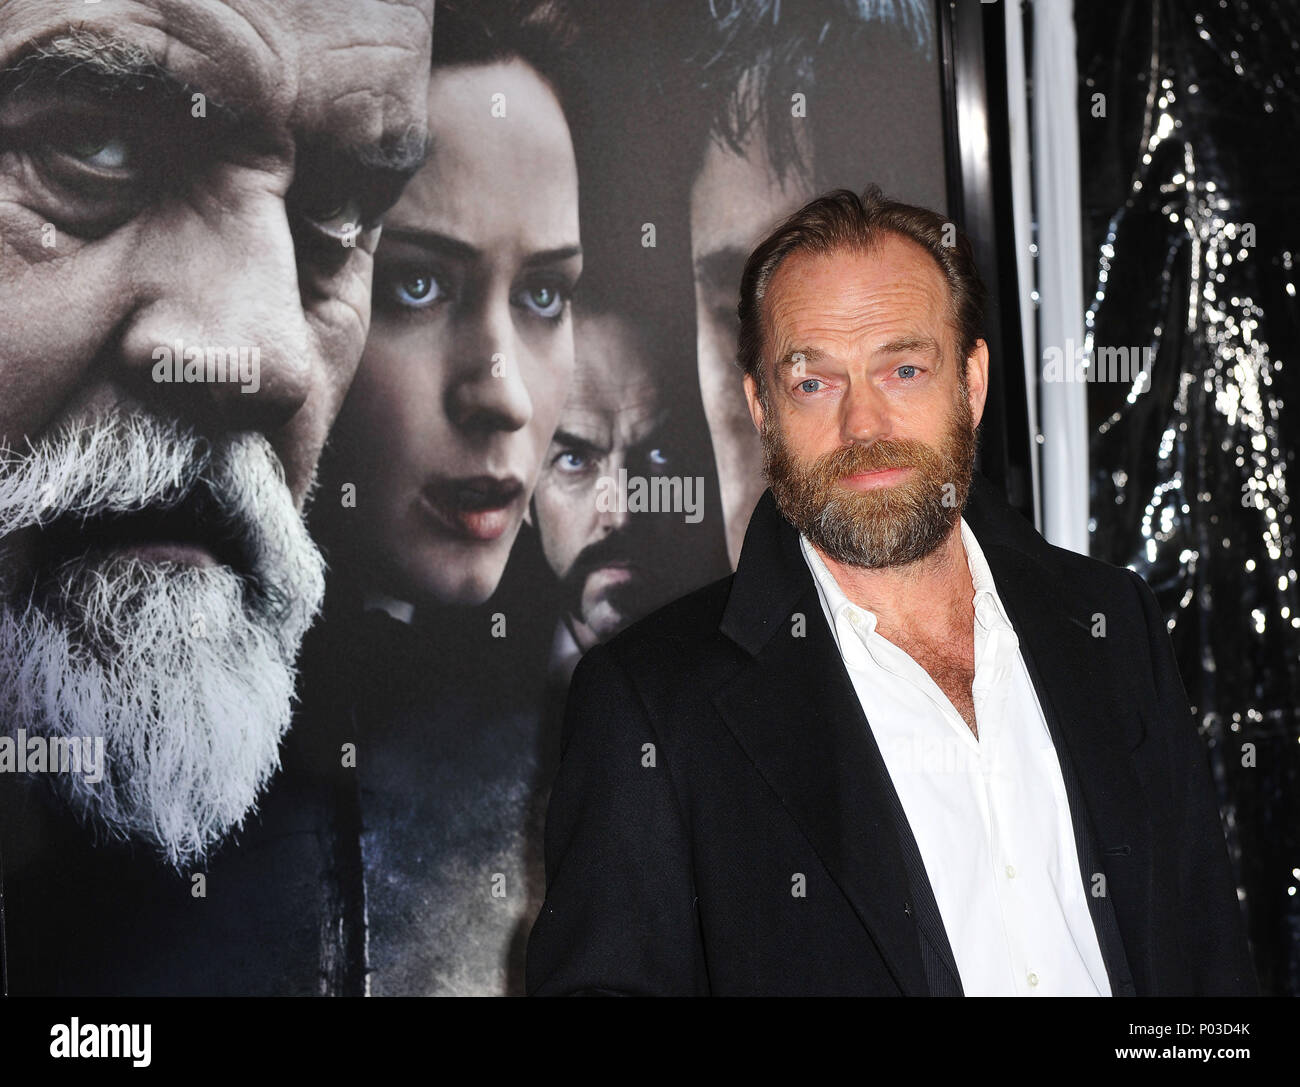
[[633, 423], [425, 9], [252, 59], [618, 404], [607, 428], [228, 50], [592, 376], [873, 301], [638, 404]]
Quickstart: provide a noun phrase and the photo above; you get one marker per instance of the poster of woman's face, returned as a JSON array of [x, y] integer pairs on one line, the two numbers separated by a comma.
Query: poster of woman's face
[[471, 349]]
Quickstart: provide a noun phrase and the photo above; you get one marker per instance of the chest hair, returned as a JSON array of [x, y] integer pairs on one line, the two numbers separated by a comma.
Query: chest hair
[[952, 667]]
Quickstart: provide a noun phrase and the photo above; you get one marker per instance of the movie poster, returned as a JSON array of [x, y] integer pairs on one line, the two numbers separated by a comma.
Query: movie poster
[[306, 520]]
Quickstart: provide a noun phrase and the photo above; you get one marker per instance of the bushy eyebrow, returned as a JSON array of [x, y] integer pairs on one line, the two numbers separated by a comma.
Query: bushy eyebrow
[[926, 345], [82, 59], [85, 60], [455, 249], [907, 345], [786, 362], [567, 439]]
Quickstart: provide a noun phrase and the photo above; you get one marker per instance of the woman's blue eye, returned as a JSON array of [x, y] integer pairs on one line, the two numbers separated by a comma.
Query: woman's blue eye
[[543, 300], [906, 372], [416, 291]]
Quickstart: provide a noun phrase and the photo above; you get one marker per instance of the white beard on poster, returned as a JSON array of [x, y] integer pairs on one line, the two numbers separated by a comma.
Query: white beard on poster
[[181, 674]]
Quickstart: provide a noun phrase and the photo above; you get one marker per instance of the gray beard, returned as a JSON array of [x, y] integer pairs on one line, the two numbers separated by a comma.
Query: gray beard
[[891, 527], [186, 672]]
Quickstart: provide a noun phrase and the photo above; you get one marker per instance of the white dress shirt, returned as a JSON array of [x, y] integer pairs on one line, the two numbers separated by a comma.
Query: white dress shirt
[[990, 816]]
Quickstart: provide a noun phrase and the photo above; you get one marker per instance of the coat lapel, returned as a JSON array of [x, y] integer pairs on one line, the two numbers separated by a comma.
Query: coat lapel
[[793, 709]]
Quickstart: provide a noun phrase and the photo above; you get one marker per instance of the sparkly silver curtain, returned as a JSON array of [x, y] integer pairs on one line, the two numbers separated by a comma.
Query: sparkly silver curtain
[[1189, 117]]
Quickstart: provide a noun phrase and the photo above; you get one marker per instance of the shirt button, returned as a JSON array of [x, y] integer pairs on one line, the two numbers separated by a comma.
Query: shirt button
[[1011, 871], [1033, 980]]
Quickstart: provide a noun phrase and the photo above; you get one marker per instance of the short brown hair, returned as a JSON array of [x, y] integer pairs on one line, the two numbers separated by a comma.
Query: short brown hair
[[843, 220]]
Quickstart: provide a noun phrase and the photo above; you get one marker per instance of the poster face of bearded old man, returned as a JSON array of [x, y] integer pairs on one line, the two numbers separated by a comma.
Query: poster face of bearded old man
[[177, 178]]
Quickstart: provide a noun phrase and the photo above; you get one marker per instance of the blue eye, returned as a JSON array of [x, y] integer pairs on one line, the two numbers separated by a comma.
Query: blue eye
[[803, 385], [570, 461], [417, 291], [657, 457], [906, 372], [542, 300]]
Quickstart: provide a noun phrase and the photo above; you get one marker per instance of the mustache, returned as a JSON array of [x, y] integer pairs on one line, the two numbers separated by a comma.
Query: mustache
[[617, 547], [120, 465], [884, 453], [107, 479]]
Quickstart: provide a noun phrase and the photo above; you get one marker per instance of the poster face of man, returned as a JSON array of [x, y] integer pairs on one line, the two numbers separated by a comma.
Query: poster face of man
[[181, 184], [734, 192], [608, 559]]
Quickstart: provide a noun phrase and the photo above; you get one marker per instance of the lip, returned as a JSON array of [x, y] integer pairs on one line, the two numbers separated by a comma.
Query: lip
[[867, 481], [173, 551], [613, 573], [189, 533], [476, 508]]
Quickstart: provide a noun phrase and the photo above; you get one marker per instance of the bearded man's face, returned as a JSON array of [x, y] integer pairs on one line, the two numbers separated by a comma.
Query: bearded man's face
[[867, 421], [883, 525], [181, 181]]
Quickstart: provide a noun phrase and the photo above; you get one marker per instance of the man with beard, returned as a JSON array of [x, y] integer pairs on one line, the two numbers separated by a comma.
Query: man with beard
[[909, 748], [613, 565], [190, 197]]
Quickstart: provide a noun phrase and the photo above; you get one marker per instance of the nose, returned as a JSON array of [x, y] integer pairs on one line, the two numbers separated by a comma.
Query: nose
[[220, 336], [487, 390], [864, 414]]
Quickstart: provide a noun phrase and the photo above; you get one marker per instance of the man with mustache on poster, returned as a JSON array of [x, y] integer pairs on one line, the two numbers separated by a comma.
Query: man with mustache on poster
[[612, 564], [190, 198], [908, 748]]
